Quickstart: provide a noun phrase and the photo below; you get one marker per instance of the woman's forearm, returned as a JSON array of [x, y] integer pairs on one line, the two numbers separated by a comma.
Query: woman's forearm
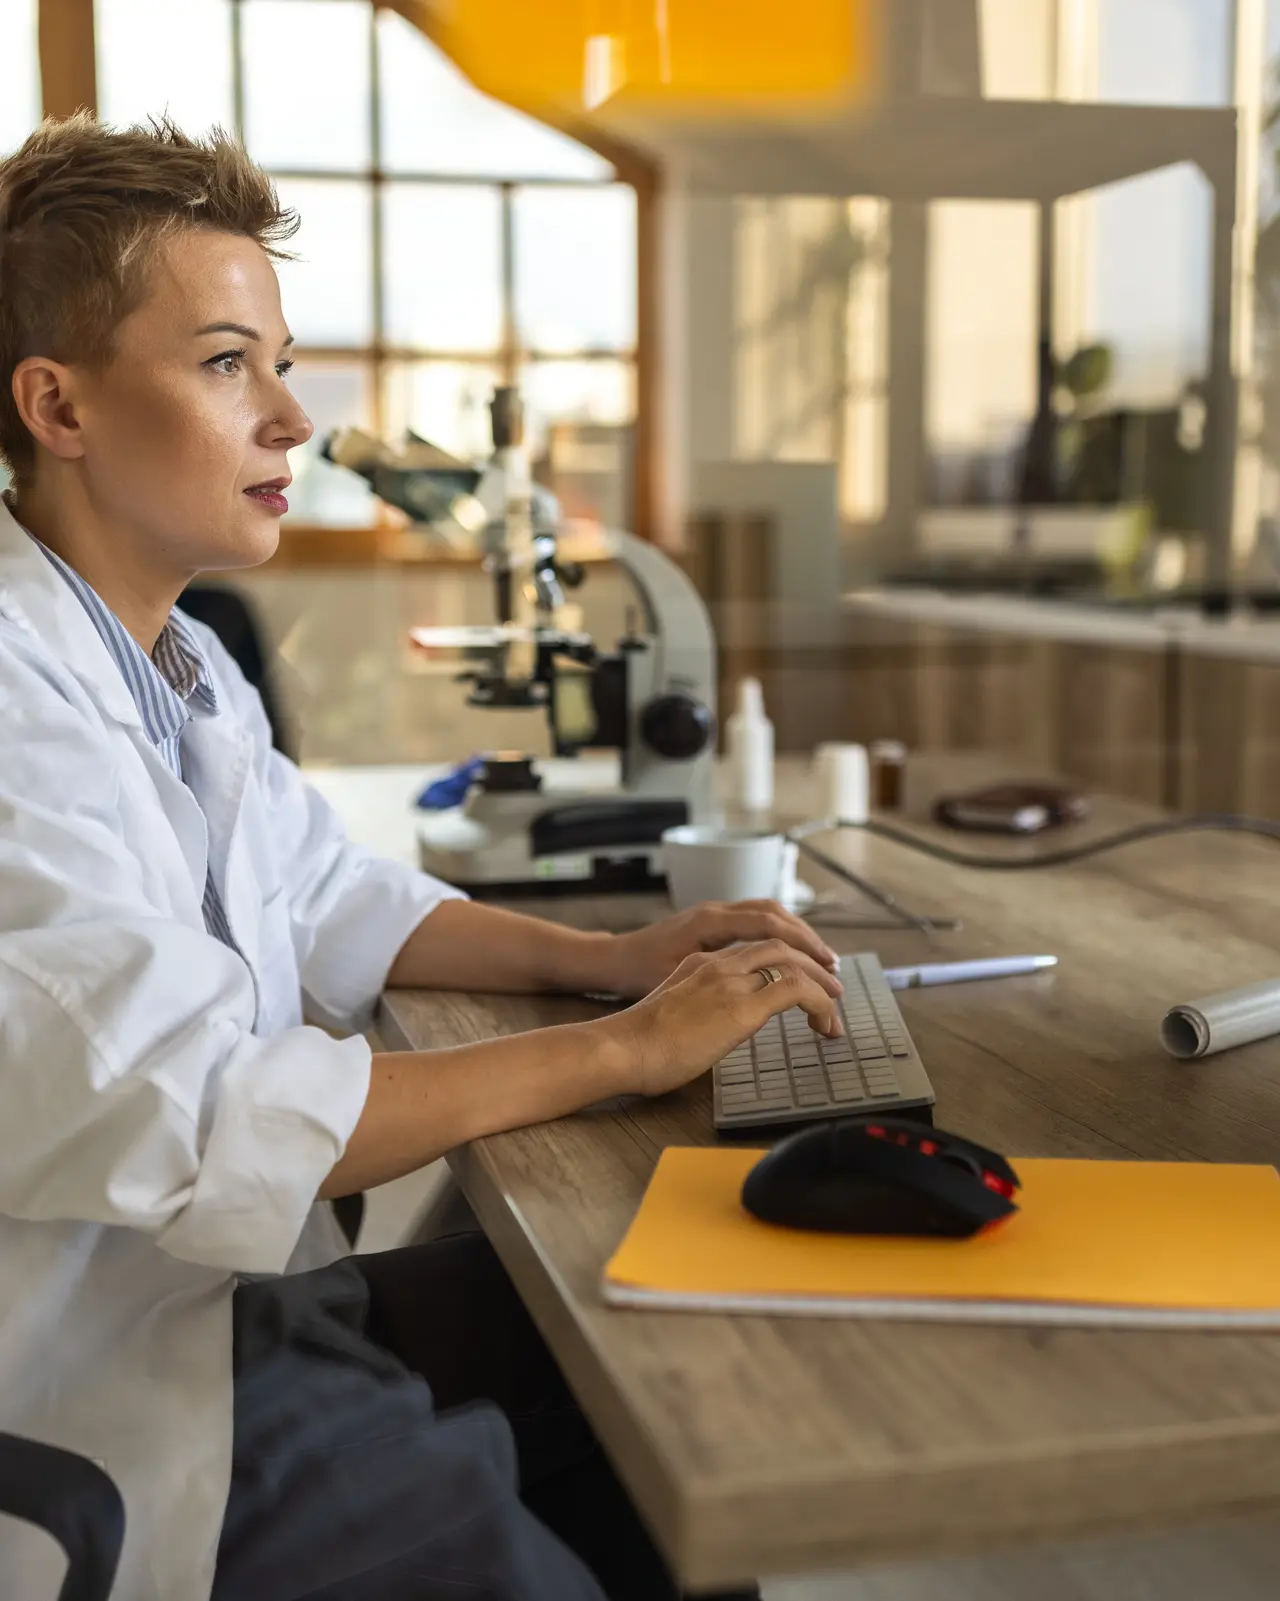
[[422, 1104], [466, 946]]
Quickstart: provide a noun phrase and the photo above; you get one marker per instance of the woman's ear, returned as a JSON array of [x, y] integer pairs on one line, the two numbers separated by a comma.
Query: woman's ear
[[44, 392]]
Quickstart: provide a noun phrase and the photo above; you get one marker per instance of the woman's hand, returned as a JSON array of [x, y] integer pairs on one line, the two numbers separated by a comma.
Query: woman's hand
[[712, 1003], [637, 963]]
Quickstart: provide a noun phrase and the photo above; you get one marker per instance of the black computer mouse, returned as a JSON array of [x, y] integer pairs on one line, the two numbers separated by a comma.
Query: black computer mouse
[[881, 1175]]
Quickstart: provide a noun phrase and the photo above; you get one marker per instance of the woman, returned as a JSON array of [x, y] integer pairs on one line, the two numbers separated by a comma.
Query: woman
[[170, 889]]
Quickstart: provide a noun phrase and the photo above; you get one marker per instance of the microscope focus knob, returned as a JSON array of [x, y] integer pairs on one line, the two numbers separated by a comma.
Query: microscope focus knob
[[676, 726]]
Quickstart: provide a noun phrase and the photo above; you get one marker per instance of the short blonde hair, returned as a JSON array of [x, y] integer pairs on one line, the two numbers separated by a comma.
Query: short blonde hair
[[83, 207]]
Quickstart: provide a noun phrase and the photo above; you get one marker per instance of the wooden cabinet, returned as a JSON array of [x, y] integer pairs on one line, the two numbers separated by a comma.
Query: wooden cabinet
[[1228, 734], [1094, 712], [1188, 722]]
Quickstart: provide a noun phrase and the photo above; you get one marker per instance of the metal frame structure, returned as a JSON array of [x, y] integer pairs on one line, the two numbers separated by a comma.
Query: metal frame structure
[[921, 147]]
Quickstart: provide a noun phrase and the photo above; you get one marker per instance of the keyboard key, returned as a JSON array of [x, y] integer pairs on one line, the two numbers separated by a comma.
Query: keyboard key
[[844, 1093]]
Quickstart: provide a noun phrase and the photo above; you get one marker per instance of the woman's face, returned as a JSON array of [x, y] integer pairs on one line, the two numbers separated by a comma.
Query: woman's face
[[186, 429]]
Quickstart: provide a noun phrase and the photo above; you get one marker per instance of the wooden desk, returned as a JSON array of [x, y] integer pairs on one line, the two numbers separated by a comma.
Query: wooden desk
[[758, 1445]]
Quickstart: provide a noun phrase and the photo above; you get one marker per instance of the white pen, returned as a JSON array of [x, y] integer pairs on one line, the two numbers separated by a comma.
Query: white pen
[[910, 978]]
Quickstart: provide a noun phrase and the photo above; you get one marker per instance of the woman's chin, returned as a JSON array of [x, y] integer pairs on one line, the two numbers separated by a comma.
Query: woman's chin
[[254, 540]]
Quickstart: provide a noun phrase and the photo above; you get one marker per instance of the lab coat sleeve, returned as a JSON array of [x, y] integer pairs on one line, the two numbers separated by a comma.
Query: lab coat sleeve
[[132, 1089], [352, 910]]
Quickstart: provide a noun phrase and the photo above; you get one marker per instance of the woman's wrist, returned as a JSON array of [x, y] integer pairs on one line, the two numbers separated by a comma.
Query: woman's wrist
[[618, 1052], [581, 962]]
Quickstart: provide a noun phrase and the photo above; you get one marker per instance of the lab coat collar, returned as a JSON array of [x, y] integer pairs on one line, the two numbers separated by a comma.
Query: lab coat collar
[[36, 597]]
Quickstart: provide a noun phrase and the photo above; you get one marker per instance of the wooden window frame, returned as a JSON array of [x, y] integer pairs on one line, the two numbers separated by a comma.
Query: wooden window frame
[[69, 83]]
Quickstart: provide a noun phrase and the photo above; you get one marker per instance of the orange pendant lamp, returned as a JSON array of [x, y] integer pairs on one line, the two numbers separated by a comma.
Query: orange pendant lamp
[[575, 57]]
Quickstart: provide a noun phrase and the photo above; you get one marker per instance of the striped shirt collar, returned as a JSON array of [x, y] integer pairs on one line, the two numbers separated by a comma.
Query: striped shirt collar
[[165, 685]]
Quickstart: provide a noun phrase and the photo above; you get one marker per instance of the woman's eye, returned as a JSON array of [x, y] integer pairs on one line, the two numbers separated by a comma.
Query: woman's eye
[[228, 363], [283, 368]]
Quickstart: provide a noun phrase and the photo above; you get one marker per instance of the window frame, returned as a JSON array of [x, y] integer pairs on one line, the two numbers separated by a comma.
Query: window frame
[[69, 81], [381, 353]]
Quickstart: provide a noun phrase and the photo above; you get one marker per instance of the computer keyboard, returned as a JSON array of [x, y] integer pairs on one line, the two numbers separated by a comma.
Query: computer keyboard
[[788, 1074]]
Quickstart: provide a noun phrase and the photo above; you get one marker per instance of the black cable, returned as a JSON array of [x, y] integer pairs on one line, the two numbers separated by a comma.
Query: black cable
[[1225, 822]]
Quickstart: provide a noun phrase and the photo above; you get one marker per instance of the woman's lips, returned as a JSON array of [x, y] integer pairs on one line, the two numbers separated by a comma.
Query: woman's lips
[[272, 499]]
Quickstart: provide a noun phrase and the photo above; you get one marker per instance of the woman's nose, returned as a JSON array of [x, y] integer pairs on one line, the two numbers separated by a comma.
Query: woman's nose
[[291, 425]]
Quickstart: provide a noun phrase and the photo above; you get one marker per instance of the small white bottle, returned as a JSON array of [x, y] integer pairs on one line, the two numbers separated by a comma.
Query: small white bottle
[[749, 740]]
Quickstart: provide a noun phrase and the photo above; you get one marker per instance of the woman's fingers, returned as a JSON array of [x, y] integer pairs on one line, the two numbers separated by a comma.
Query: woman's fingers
[[777, 953], [795, 986], [762, 920]]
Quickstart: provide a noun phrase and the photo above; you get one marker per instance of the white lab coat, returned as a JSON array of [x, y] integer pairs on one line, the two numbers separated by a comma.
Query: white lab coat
[[165, 1117]]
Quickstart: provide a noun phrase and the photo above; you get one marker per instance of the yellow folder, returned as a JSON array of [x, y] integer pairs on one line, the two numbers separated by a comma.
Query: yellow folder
[[1156, 1244]]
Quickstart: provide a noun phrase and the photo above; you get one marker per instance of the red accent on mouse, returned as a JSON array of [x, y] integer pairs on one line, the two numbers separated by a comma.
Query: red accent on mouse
[[881, 1175]]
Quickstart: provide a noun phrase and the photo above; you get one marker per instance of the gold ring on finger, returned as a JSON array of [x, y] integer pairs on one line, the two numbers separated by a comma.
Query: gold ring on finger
[[771, 975]]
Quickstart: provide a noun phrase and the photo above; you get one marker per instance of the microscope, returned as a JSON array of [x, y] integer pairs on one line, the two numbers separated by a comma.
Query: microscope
[[523, 826]]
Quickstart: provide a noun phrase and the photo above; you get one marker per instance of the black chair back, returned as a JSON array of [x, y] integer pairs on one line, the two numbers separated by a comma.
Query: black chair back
[[232, 619], [72, 1499]]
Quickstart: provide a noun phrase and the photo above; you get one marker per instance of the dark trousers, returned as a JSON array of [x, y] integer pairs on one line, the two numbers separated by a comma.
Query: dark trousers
[[402, 1433]]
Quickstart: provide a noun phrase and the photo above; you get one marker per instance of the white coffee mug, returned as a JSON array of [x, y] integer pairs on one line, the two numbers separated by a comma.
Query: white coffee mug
[[706, 863]]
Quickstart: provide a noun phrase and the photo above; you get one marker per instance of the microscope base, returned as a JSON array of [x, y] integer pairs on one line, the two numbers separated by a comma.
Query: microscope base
[[550, 844], [632, 876]]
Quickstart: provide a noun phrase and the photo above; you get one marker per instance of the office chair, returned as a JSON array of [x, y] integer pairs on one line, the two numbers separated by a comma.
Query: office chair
[[233, 620], [73, 1500]]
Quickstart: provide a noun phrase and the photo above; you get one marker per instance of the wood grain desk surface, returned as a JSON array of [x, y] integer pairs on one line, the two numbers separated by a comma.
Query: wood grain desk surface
[[767, 1445]]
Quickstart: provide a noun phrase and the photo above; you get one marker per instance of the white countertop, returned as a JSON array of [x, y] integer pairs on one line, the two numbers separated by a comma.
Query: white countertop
[[1245, 637]]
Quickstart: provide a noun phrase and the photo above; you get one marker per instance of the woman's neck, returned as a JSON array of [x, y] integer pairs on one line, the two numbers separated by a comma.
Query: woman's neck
[[110, 556]]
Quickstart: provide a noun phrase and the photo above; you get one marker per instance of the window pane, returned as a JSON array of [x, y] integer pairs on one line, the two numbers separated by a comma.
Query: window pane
[[334, 395], [154, 56], [443, 266], [435, 120], [982, 328], [575, 391], [1152, 272], [306, 83], [446, 402], [20, 102], [579, 417], [1165, 52], [575, 255], [328, 291]]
